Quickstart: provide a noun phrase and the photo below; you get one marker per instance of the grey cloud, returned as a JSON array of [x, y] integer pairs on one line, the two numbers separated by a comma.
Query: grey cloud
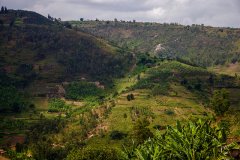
[[209, 12]]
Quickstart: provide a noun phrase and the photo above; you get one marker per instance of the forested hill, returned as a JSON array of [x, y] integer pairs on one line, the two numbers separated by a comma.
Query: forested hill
[[43, 50], [202, 45]]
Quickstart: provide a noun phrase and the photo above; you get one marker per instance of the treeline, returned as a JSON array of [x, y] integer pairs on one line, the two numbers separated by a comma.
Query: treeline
[[4, 10]]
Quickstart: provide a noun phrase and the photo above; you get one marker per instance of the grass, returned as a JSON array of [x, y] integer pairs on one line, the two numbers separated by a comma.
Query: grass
[[41, 103], [124, 83], [179, 104], [182, 107], [229, 69]]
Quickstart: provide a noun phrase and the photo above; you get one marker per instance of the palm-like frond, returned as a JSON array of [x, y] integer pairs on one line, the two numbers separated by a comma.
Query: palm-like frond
[[192, 141]]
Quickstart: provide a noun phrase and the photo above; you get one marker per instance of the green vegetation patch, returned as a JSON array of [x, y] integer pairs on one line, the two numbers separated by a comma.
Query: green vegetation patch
[[58, 105], [83, 90], [12, 100]]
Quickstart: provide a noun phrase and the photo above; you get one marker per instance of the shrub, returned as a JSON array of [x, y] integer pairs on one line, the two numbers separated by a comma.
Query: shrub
[[220, 102], [117, 135], [83, 90], [12, 100], [169, 112], [141, 132], [130, 97], [57, 105]]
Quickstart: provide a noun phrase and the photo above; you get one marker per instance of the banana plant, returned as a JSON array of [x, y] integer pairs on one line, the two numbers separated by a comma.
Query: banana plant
[[192, 141]]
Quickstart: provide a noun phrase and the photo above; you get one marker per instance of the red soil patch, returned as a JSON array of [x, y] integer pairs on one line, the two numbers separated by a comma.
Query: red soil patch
[[13, 140]]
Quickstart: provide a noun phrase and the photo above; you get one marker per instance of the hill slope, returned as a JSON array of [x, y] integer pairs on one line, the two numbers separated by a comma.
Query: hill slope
[[36, 49], [39, 54], [204, 46]]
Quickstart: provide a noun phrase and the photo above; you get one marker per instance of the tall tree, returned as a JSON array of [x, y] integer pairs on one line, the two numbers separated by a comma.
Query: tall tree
[[2, 9], [5, 10]]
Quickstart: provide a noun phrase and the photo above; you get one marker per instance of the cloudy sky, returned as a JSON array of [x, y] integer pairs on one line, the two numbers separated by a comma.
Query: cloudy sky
[[209, 12]]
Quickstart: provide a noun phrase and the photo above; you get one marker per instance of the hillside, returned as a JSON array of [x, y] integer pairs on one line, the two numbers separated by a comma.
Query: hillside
[[107, 90], [37, 52], [202, 45]]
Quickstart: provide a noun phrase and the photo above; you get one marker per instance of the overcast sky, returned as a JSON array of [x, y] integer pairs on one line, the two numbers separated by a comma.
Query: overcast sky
[[209, 12]]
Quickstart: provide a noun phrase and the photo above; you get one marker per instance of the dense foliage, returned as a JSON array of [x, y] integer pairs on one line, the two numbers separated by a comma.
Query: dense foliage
[[141, 132], [58, 105], [12, 100], [84, 90], [159, 77], [194, 140]]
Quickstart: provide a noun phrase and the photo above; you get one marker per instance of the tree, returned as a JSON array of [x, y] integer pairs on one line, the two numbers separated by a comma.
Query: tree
[[220, 101], [117, 135], [81, 19], [50, 17], [140, 130], [5, 10], [130, 97], [11, 100], [2, 10]]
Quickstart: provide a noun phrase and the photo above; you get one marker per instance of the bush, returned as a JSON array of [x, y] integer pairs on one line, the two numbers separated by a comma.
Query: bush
[[12, 100], [169, 112], [57, 105], [83, 90], [220, 102], [130, 97], [141, 132], [117, 135]]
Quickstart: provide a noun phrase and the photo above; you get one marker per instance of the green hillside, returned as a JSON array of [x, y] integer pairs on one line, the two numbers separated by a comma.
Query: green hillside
[[115, 90], [202, 45], [38, 52]]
